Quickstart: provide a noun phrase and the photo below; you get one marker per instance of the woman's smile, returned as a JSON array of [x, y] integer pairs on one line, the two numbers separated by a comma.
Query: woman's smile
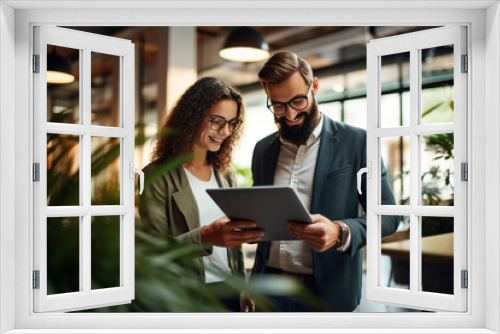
[[216, 140]]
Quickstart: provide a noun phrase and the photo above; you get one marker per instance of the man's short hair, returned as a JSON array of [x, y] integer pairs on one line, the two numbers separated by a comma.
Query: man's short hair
[[283, 64]]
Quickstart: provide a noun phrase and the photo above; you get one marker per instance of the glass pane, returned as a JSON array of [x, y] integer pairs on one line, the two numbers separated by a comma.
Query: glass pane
[[355, 112], [332, 110], [437, 85], [105, 80], [105, 171], [63, 255], [395, 258], [396, 158], [406, 108], [394, 75], [390, 111], [438, 169], [437, 254], [63, 170], [63, 86], [105, 248]]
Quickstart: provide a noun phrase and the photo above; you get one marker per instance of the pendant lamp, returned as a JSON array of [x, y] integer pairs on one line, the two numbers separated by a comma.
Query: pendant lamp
[[58, 69], [245, 44]]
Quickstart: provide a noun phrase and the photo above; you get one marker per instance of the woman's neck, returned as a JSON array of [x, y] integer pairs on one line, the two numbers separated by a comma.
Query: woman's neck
[[199, 160], [199, 166]]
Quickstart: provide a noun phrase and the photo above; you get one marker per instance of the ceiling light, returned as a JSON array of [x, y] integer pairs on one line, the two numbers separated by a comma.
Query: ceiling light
[[58, 69], [245, 44]]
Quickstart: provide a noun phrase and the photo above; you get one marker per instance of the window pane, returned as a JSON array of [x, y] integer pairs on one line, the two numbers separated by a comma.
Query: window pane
[[395, 258], [63, 170], [437, 85], [105, 248], [390, 114], [406, 108], [63, 86], [355, 112], [394, 75], [396, 157], [437, 254], [63, 255], [105, 81], [437, 105], [438, 169], [105, 171]]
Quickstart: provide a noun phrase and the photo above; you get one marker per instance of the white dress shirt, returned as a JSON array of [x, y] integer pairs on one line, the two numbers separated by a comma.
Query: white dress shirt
[[295, 167]]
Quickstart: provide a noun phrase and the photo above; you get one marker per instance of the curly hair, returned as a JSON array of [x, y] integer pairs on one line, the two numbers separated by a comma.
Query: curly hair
[[185, 122]]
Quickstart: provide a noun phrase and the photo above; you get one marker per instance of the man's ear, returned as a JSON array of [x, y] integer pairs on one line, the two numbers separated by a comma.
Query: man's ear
[[315, 87]]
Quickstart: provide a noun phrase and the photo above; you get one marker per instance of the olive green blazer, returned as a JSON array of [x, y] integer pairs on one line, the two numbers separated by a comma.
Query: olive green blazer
[[168, 207]]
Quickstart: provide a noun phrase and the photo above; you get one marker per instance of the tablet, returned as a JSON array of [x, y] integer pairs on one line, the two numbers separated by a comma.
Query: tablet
[[270, 206]]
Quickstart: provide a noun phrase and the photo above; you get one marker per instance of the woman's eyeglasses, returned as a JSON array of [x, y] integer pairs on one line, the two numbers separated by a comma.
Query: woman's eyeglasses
[[217, 123]]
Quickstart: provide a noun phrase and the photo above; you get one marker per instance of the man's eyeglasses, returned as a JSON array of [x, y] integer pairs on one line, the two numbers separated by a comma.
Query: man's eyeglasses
[[298, 103], [217, 123]]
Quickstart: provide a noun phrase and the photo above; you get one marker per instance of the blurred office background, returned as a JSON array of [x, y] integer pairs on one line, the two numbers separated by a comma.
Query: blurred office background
[[170, 59]]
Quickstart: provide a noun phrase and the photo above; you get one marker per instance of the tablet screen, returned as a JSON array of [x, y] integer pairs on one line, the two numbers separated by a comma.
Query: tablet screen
[[270, 206]]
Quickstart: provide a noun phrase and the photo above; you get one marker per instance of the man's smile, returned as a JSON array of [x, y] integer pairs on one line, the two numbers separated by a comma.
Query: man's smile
[[297, 121]]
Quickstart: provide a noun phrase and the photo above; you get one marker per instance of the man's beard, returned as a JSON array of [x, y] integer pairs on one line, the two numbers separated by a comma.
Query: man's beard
[[298, 134]]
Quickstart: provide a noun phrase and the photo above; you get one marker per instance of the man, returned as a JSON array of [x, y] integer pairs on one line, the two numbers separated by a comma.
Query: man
[[318, 157]]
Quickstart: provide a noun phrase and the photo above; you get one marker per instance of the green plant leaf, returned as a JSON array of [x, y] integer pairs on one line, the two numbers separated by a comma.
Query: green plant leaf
[[431, 109]]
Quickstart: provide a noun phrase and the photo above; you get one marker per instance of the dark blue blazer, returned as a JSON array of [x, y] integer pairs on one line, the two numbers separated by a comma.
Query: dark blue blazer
[[342, 153]]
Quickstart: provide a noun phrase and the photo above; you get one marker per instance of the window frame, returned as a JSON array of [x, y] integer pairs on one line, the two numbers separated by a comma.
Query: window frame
[[87, 44], [483, 307], [414, 43]]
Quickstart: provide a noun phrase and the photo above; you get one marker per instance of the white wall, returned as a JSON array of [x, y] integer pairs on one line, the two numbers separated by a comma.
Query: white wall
[[7, 170], [492, 150]]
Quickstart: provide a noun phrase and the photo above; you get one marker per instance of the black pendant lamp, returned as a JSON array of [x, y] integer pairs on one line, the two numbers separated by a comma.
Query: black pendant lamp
[[58, 69], [245, 44]]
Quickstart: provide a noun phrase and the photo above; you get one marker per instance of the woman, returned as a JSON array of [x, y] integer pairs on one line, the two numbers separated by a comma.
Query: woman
[[204, 125]]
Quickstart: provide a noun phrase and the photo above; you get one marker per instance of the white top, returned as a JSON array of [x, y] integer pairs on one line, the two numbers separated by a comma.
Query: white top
[[216, 265]]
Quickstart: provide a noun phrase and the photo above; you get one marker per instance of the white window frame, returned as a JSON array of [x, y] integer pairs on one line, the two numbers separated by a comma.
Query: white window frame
[[483, 20], [85, 43], [414, 43]]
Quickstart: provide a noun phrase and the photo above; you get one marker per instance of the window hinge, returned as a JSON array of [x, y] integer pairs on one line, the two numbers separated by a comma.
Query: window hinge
[[36, 279], [465, 279], [465, 64], [464, 171], [36, 172], [36, 63]]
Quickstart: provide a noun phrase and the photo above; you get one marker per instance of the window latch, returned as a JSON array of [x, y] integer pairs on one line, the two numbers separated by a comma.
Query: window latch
[[132, 171], [368, 171]]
